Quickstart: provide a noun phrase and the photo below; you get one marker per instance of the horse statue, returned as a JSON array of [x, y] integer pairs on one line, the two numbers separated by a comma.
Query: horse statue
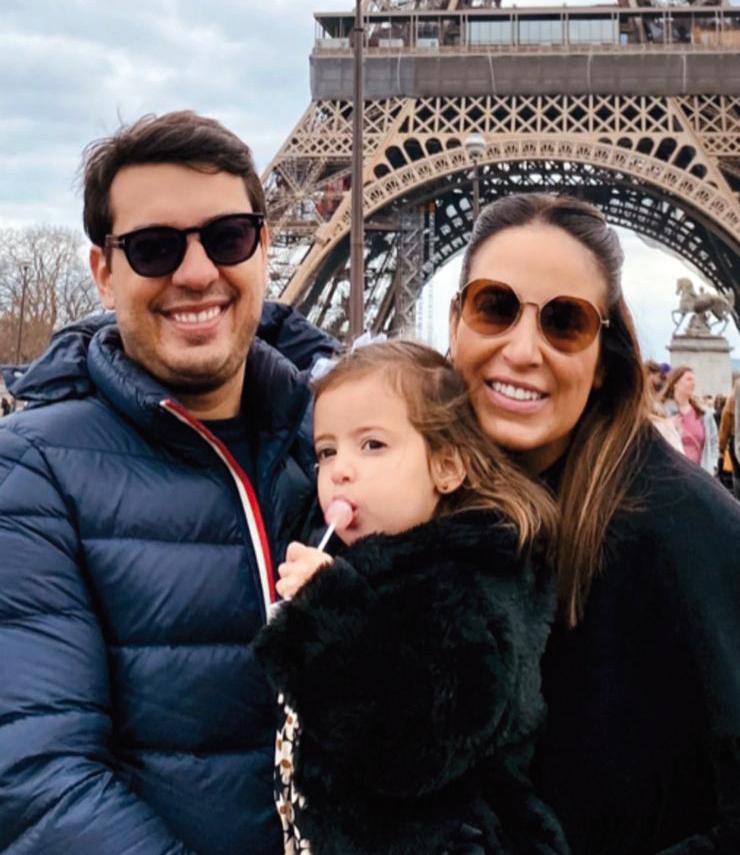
[[702, 305]]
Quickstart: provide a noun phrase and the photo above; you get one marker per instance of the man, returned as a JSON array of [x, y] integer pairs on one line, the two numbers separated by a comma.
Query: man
[[144, 507]]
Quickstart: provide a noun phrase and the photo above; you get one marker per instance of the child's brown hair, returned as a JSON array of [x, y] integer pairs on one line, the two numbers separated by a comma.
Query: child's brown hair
[[439, 408]]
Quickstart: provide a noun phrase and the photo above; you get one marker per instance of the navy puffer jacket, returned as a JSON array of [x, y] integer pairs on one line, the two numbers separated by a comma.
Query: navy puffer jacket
[[133, 715]]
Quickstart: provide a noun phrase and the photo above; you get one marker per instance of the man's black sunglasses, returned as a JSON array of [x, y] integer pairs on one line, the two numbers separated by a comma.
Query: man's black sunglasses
[[159, 250]]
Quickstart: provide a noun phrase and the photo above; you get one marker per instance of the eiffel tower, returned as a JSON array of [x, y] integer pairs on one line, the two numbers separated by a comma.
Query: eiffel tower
[[634, 108]]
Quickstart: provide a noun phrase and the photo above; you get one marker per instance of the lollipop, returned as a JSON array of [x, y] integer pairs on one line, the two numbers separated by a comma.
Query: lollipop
[[338, 516]]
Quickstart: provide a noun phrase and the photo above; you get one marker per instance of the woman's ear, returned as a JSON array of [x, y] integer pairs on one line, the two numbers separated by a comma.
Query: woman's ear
[[447, 470], [454, 320], [599, 374]]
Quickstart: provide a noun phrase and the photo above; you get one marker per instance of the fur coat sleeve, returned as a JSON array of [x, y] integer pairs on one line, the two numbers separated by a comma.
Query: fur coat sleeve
[[414, 656]]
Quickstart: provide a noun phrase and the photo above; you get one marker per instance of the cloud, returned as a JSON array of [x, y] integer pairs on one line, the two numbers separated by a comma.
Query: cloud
[[71, 72]]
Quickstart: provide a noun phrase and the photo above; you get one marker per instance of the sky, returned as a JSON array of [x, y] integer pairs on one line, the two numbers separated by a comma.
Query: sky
[[71, 72]]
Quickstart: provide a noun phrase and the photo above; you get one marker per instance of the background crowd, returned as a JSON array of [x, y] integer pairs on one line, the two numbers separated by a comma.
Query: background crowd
[[702, 429]]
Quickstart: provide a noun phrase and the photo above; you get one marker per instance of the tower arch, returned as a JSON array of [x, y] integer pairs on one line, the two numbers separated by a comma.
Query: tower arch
[[662, 161]]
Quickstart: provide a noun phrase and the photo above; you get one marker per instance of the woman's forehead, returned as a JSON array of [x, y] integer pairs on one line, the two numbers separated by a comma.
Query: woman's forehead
[[539, 261]]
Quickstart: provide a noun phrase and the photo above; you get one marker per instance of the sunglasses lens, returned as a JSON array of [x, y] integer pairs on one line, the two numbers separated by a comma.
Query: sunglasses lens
[[155, 252], [231, 240], [569, 324], [490, 308], [159, 251]]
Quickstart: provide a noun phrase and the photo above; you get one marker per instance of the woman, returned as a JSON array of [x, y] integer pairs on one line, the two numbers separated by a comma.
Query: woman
[[641, 677], [727, 430], [696, 426]]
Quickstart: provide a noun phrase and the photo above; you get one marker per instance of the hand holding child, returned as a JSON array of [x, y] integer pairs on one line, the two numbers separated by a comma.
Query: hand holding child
[[301, 562]]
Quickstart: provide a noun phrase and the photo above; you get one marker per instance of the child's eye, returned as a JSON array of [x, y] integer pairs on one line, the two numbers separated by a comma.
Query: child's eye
[[323, 454], [372, 445]]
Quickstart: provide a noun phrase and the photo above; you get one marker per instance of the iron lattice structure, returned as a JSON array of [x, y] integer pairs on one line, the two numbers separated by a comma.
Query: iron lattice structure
[[667, 167]]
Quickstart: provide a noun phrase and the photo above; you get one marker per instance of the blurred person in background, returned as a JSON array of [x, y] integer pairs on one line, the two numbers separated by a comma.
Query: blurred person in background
[[729, 465], [655, 375], [736, 444], [695, 425], [658, 415], [719, 405]]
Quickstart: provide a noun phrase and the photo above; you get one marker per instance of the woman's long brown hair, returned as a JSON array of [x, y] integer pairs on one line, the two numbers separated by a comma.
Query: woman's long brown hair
[[607, 444], [439, 408]]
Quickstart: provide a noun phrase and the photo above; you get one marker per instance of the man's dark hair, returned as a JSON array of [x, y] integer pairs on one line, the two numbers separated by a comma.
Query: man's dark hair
[[182, 137]]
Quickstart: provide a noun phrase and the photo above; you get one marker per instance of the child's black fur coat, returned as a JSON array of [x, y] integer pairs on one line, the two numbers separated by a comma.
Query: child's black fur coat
[[414, 665]]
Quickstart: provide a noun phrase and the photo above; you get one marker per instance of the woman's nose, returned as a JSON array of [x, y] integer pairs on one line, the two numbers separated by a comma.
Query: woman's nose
[[523, 346]]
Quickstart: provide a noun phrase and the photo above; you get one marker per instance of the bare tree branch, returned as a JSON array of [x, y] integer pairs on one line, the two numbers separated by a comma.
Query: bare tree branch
[[47, 263]]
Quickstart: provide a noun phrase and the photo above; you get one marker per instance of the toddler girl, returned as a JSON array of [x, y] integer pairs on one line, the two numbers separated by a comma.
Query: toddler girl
[[410, 662]]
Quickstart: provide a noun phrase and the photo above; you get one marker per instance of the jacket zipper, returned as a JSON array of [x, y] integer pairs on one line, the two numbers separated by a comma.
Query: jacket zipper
[[247, 497]]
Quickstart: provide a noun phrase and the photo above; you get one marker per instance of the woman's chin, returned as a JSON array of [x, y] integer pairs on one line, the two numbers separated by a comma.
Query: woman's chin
[[534, 450]]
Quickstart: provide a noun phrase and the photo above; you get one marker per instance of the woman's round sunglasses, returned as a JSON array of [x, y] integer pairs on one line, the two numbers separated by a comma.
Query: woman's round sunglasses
[[491, 308], [159, 250]]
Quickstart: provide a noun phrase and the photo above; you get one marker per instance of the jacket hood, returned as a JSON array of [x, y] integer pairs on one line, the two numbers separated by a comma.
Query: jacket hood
[[139, 396], [62, 373], [87, 359]]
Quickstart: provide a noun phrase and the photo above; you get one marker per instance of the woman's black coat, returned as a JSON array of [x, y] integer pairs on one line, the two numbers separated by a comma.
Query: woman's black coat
[[641, 752], [414, 665]]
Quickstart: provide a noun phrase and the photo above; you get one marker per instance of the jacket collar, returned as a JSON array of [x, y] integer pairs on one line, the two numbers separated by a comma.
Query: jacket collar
[[278, 396], [87, 358]]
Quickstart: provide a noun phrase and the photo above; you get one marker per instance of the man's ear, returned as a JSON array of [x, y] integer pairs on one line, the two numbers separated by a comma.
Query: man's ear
[[101, 272], [447, 470]]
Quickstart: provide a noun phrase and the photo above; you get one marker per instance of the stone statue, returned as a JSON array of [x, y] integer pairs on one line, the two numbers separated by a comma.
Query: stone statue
[[701, 306]]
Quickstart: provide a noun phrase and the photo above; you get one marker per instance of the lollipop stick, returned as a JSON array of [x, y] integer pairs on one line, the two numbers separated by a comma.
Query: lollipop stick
[[327, 534]]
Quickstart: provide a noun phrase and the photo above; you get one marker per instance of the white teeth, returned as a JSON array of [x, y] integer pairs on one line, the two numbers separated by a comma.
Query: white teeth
[[516, 392], [197, 317]]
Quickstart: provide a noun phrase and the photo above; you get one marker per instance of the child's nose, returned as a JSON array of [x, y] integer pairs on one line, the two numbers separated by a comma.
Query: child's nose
[[342, 469]]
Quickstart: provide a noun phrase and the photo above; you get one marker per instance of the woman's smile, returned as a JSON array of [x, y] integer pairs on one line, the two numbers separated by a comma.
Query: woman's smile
[[515, 397]]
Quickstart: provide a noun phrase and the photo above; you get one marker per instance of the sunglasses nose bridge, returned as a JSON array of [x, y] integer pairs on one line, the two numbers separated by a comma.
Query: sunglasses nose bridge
[[196, 267], [521, 311], [523, 303], [521, 341]]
